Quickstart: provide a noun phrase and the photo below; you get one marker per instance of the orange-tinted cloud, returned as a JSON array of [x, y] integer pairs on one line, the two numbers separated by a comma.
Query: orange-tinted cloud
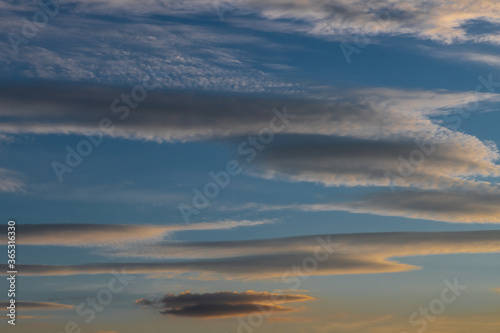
[[274, 258], [39, 306], [109, 234]]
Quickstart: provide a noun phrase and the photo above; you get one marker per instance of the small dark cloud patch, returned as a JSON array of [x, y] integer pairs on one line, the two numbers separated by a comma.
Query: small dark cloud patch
[[221, 304]]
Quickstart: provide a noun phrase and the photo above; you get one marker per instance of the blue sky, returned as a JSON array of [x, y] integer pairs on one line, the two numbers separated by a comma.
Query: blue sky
[[208, 147]]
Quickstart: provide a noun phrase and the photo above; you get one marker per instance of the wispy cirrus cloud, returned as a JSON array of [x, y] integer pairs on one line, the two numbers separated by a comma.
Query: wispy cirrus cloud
[[178, 55], [441, 21], [10, 181], [482, 58]]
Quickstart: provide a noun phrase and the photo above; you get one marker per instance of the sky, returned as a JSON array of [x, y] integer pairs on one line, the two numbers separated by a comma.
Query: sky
[[251, 166]]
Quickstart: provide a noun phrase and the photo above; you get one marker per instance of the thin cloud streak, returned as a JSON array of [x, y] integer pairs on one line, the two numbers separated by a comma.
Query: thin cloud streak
[[86, 235], [445, 206], [37, 306]]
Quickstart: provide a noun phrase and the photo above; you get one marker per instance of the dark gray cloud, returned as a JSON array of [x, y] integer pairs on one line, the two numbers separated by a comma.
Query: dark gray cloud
[[222, 303], [71, 108], [334, 161], [221, 310]]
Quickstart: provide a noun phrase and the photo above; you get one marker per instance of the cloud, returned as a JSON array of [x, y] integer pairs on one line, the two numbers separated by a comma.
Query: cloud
[[169, 116], [133, 47], [165, 116], [441, 21], [10, 182], [160, 35], [222, 304], [483, 58], [446, 161], [445, 206], [39, 306], [110, 234], [452, 207], [352, 137], [365, 132], [274, 258]]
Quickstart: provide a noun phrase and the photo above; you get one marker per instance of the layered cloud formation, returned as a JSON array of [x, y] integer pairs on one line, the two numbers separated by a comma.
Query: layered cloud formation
[[374, 137], [368, 136], [276, 258], [206, 72], [357, 137]]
